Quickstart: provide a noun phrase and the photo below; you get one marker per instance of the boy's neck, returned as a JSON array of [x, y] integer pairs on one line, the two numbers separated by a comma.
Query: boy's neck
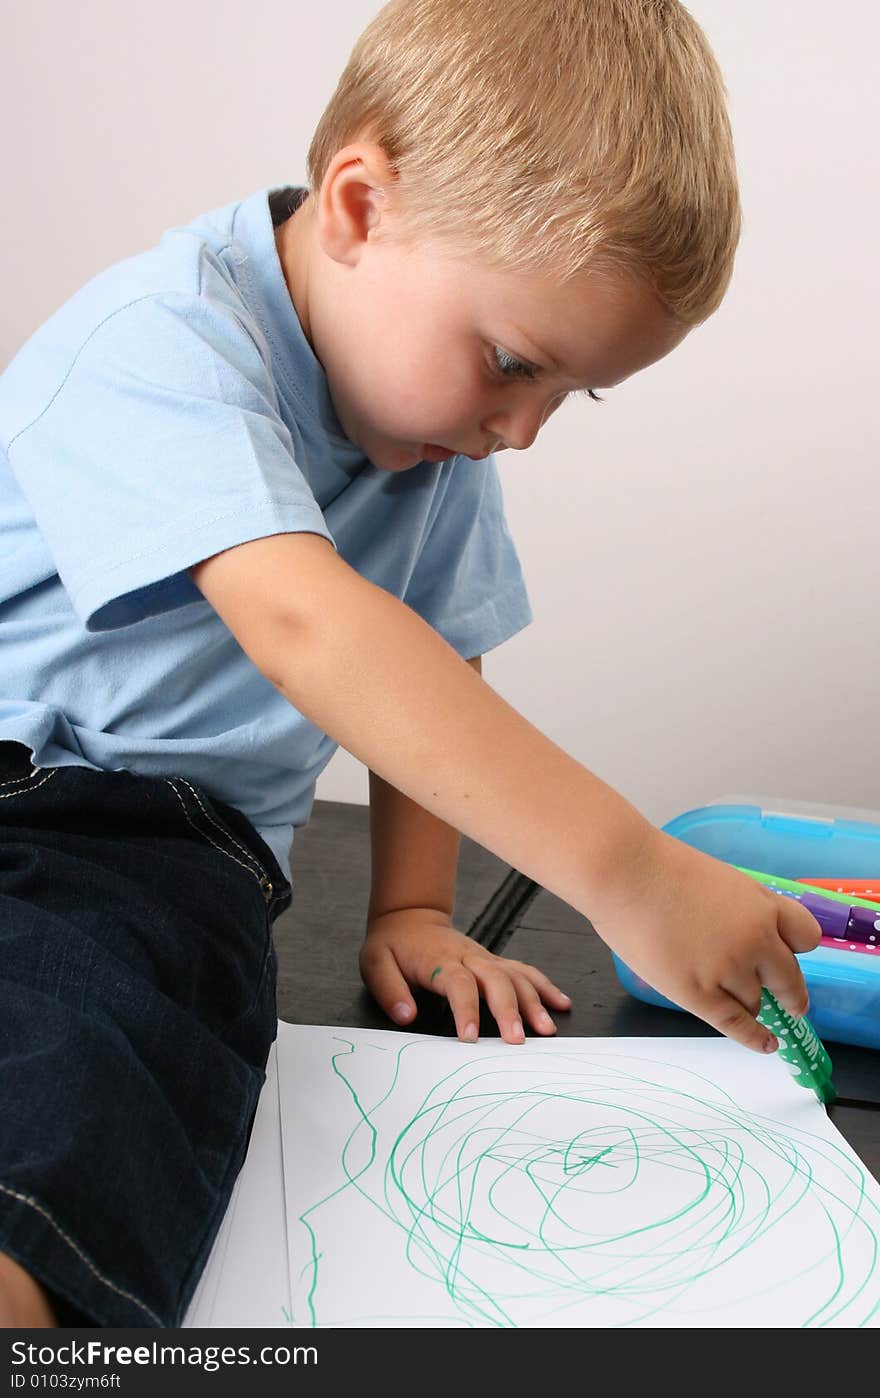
[[293, 242]]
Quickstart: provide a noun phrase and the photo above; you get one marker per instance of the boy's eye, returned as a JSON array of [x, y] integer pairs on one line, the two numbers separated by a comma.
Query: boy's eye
[[512, 368]]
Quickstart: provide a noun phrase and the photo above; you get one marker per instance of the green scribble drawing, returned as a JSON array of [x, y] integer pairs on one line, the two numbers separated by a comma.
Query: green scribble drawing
[[525, 1190]]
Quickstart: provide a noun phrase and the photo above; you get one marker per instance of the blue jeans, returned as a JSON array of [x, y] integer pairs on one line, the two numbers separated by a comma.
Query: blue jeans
[[137, 1010]]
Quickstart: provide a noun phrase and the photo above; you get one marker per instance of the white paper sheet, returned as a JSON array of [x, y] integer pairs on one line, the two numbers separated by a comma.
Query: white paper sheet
[[565, 1182]]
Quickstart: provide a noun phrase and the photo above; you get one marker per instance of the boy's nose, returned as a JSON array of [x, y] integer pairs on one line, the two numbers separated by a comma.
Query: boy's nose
[[520, 435], [515, 430], [518, 427]]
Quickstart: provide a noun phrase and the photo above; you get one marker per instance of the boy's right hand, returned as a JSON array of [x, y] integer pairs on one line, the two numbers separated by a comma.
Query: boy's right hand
[[364, 668], [707, 937]]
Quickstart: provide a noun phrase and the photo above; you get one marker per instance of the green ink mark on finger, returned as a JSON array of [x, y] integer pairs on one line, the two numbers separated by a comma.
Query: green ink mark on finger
[[436, 971]]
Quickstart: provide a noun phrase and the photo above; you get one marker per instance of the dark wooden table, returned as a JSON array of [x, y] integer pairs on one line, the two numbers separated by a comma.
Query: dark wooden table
[[319, 937]]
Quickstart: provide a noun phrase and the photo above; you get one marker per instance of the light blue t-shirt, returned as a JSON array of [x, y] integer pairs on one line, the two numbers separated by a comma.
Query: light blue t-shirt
[[173, 408]]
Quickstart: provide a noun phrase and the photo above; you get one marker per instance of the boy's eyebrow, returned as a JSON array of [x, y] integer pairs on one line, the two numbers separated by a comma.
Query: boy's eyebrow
[[535, 349]]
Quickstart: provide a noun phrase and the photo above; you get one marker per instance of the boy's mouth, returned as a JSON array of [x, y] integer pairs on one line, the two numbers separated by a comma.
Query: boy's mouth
[[431, 452]]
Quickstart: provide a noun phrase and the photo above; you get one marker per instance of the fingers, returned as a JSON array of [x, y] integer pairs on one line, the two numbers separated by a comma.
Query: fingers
[[462, 985], [729, 1016], [501, 997], [530, 1007], [778, 969], [734, 1006], [546, 990], [512, 991], [386, 983], [784, 978], [797, 927], [462, 992], [450, 965]]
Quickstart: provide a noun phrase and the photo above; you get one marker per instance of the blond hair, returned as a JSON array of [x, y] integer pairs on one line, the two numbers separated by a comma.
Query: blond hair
[[551, 135]]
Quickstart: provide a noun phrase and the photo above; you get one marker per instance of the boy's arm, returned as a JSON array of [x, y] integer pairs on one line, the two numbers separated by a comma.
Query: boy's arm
[[410, 941], [413, 855], [368, 671]]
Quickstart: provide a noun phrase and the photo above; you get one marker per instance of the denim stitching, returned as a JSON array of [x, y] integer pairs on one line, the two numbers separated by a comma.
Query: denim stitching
[[28, 781], [32, 1203], [223, 831], [205, 834]]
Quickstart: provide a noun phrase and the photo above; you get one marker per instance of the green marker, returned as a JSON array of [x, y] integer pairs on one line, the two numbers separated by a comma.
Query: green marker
[[799, 1047], [804, 891]]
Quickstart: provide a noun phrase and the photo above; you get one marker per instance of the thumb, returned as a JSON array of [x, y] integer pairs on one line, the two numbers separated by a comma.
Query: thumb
[[383, 978], [796, 925]]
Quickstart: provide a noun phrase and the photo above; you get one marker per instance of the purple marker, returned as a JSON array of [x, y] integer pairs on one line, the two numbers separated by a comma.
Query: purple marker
[[837, 918]]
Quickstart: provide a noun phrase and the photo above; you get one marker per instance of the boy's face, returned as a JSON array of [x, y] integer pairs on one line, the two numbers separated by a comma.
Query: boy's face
[[429, 355]]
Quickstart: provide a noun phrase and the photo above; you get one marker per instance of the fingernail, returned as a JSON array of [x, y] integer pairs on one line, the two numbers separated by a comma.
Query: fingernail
[[470, 1034], [769, 1045], [544, 1019], [517, 1032], [401, 1013]]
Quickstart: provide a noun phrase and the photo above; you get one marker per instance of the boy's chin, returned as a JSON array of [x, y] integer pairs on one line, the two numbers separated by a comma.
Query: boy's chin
[[403, 458]]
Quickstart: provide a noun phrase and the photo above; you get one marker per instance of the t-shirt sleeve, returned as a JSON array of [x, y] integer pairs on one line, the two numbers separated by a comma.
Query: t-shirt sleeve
[[468, 583], [161, 445]]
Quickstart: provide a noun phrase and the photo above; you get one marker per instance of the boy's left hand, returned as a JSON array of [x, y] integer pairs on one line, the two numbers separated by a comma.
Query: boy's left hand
[[418, 948]]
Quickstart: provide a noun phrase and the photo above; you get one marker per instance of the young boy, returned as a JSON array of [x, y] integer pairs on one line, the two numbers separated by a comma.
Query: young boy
[[250, 511]]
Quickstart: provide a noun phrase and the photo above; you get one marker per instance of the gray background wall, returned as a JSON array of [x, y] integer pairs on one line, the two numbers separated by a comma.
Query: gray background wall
[[702, 549]]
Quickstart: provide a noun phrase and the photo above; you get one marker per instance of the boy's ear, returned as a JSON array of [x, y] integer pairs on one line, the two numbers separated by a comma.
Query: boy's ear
[[352, 200]]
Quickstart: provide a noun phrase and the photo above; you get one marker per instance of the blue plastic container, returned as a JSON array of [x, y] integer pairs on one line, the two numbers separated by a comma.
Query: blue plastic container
[[844, 986]]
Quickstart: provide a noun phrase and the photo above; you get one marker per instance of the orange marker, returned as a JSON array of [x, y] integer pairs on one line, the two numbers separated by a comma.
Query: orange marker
[[860, 888]]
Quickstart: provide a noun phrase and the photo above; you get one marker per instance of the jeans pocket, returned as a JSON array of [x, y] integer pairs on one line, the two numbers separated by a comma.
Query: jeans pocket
[[18, 789], [203, 816], [21, 777]]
